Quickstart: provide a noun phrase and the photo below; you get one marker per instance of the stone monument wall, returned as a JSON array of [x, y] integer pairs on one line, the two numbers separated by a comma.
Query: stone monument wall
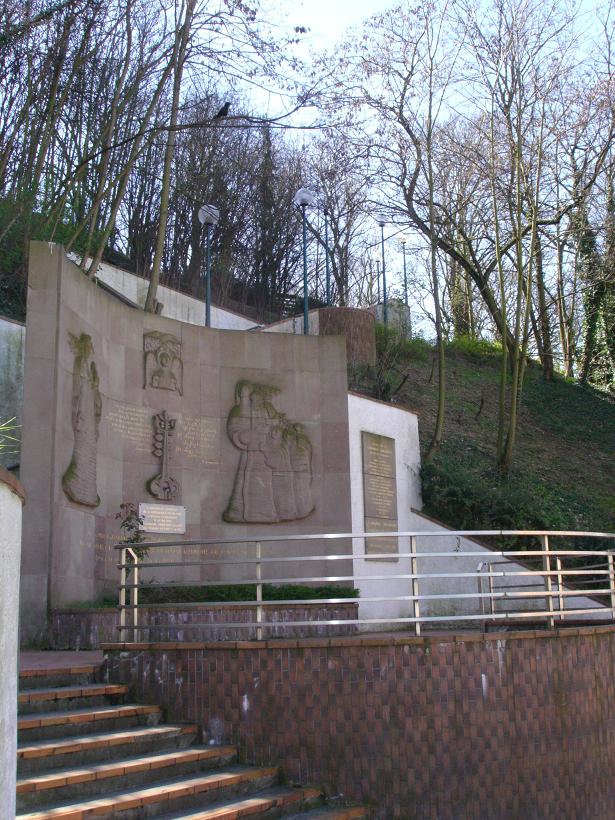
[[246, 431]]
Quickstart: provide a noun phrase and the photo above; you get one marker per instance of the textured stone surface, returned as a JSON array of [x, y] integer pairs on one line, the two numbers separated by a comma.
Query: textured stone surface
[[357, 326], [507, 726]]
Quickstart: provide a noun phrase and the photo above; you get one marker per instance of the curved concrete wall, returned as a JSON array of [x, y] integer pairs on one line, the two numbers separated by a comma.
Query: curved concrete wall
[[86, 358], [11, 500]]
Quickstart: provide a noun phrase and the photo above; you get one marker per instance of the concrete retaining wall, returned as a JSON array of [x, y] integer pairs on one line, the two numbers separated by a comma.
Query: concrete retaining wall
[[11, 500]]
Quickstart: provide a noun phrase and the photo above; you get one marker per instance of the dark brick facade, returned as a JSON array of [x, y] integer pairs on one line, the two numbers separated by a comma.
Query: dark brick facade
[[515, 725]]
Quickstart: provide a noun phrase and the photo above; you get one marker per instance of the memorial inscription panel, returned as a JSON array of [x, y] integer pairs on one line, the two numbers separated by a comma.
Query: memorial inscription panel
[[379, 493], [162, 518]]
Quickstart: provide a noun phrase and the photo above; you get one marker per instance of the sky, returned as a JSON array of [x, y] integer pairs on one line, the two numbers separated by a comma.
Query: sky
[[328, 20]]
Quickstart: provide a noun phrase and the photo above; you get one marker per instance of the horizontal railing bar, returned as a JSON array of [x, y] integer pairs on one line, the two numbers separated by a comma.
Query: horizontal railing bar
[[349, 557], [498, 616], [341, 535], [521, 595], [330, 578]]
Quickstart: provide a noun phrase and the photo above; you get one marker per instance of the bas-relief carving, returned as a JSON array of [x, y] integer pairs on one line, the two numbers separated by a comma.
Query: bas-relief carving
[[273, 482], [79, 480], [162, 361], [163, 485]]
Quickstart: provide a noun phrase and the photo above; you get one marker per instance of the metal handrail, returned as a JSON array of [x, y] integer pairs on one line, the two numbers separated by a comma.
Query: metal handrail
[[552, 576]]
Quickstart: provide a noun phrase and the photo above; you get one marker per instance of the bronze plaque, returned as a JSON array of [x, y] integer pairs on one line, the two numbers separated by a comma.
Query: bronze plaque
[[379, 493], [162, 518]]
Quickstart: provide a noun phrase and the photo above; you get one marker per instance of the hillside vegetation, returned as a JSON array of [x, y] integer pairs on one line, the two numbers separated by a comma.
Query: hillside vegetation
[[563, 475]]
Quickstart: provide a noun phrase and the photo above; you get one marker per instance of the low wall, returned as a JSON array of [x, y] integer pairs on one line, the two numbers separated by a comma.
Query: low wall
[[448, 728], [89, 628], [11, 500]]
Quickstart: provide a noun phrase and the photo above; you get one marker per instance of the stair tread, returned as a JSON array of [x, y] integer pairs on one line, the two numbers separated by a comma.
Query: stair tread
[[79, 669], [43, 748], [231, 809], [119, 768], [328, 813], [41, 719], [74, 691], [160, 791]]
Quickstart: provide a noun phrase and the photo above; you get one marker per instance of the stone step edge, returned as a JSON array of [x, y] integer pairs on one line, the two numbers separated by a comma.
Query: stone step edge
[[43, 719], [54, 748], [341, 813], [164, 790], [49, 671], [120, 768], [264, 801], [65, 692]]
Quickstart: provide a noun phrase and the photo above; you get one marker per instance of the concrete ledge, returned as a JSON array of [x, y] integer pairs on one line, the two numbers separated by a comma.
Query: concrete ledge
[[363, 640]]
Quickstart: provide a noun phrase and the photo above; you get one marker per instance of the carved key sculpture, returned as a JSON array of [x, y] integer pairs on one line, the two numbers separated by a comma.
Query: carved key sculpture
[[79, 480], [163, 486], [274, 476]]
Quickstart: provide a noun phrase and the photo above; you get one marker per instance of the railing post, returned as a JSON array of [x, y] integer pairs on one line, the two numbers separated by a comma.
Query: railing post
[[490, 588], [259, 592], [416, 607], [560, 597], [611, 583], [134, 594], [546, 565], [123, 576]]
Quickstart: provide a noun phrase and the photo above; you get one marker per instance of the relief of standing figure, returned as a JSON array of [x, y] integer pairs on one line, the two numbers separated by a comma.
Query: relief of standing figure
[[79, 480], [273, 482]]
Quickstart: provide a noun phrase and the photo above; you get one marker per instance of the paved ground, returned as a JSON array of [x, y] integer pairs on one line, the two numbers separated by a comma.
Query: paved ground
[[57, 660]]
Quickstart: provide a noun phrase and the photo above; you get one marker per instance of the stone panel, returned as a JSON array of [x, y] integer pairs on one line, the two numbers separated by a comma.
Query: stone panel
[[195, 385]]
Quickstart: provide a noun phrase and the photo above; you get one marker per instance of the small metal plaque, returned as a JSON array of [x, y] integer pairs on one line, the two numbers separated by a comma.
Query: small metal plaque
[[162, 518]]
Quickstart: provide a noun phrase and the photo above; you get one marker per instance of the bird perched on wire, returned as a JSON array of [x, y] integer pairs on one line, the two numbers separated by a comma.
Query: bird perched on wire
[[223, 111]]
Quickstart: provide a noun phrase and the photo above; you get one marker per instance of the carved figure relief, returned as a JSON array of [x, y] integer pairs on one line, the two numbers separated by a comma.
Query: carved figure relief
[[79, 480], [163, 485], [273, 482], [162, 361]]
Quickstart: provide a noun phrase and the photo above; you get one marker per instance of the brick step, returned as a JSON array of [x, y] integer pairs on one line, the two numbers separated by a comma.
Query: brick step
[[50, 725], [76, 696], [271, 803], [163, 797], [330, 813], [61, 676], [58, 676], [84, 782], [54, 754]]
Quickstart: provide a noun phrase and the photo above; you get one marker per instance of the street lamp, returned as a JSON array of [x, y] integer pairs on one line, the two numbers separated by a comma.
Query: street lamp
[[327, 275], [403, 239], [381, 220], [303, 198], [209, 216]]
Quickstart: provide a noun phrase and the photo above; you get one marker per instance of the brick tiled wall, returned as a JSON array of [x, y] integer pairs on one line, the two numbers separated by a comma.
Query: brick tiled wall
[[520, 725], [89, 628]]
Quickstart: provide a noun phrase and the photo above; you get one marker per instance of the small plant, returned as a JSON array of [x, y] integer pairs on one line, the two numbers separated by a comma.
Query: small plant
[[131, 523], [9, 444]]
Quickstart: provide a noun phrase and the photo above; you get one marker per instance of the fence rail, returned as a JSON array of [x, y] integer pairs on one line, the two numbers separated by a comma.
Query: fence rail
[[536, 584]]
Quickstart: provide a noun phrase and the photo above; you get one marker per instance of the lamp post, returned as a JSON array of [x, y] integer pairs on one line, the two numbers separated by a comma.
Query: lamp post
[[327, 274], [381, 221], [209, 216], [303, 198], [403, 239]]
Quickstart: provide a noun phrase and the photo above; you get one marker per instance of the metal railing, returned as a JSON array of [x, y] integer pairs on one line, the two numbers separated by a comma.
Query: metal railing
[[555, 571]]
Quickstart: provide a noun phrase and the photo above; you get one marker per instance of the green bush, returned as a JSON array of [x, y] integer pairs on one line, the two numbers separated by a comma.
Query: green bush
[[242, 592]]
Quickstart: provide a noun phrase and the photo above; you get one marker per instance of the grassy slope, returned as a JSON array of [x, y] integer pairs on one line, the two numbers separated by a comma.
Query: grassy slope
[[564, 470]]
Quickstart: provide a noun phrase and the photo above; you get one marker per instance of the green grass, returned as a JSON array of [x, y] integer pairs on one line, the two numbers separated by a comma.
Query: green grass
[[563, 475]]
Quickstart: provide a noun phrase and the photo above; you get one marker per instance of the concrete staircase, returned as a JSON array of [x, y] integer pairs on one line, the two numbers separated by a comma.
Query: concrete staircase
[[85, 751]]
